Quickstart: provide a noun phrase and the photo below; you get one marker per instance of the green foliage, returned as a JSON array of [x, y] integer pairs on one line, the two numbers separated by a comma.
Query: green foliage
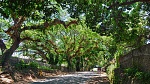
[[32, 65], [110, 71], [139, 75], [27, 8], [21, 65], [133, 74], [44, 68], [131, 71]]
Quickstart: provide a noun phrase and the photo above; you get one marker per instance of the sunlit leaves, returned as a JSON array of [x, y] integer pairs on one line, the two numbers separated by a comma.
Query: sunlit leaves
[[28, 8]]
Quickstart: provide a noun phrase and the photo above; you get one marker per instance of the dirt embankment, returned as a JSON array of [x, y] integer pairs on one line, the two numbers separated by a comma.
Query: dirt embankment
[[26, 76]]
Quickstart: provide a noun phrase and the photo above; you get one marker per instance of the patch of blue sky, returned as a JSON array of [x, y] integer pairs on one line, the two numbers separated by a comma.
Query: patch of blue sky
[[148, 41]]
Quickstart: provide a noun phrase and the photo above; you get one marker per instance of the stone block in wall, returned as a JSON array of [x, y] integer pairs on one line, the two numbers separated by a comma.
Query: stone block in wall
[[126, 60], [139, 57], [144, 50], [136, 61], [146, 63]]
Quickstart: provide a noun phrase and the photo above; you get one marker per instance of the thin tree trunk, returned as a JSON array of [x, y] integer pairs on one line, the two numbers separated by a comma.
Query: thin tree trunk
[[69, 64], [7, 55], [51, 59], [77, 63]]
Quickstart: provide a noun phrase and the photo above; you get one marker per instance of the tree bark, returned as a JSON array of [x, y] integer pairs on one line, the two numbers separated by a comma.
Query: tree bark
[[7, 55], [51, 59], [78, 63], [69, 64]]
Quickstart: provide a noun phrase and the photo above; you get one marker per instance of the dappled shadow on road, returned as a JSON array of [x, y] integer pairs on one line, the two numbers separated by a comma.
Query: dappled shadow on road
[[76, 78], [62, 80], [98, 80], [102, 79]]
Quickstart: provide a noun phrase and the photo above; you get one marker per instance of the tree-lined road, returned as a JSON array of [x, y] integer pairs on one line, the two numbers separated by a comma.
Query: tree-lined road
[[76, 78]]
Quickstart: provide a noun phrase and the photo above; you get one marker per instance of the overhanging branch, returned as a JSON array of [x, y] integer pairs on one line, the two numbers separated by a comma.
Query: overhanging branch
[[17, 24], [47, 24]]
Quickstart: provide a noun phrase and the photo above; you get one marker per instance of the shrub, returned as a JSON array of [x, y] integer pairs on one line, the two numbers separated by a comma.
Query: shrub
[[33, 65], [21, 65], [135, 73], [131, 71], [44, 68]]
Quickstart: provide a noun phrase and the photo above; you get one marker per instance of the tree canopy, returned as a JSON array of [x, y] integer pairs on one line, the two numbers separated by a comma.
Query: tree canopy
[[57, 26]]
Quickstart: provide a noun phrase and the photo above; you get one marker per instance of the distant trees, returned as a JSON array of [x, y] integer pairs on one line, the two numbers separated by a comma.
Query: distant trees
[[58, 44]]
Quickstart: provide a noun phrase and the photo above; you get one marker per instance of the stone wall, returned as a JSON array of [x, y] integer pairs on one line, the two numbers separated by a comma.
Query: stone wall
[[139, 57]]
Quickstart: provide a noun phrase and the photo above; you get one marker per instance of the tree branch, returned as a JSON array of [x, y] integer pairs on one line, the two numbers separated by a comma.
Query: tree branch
[[17, 24], [28, 38], [42, 54], [13, 31], [78, 50], [54, 46], [47, 24], [126, 3]]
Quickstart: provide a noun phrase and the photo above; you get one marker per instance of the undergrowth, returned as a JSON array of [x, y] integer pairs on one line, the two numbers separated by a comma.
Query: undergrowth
[[133, 75], [138, 74], [31, 65]]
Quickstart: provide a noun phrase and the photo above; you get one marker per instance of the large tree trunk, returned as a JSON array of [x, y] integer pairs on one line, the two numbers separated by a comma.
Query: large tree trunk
[[7, 55]]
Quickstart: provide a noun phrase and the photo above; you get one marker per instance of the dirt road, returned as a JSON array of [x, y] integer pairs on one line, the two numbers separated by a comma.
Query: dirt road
[[77, 78]]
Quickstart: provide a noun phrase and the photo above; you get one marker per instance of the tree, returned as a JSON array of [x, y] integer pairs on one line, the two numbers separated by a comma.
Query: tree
[[40, 47], [58, 44], [73, 42], [20, 13]]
